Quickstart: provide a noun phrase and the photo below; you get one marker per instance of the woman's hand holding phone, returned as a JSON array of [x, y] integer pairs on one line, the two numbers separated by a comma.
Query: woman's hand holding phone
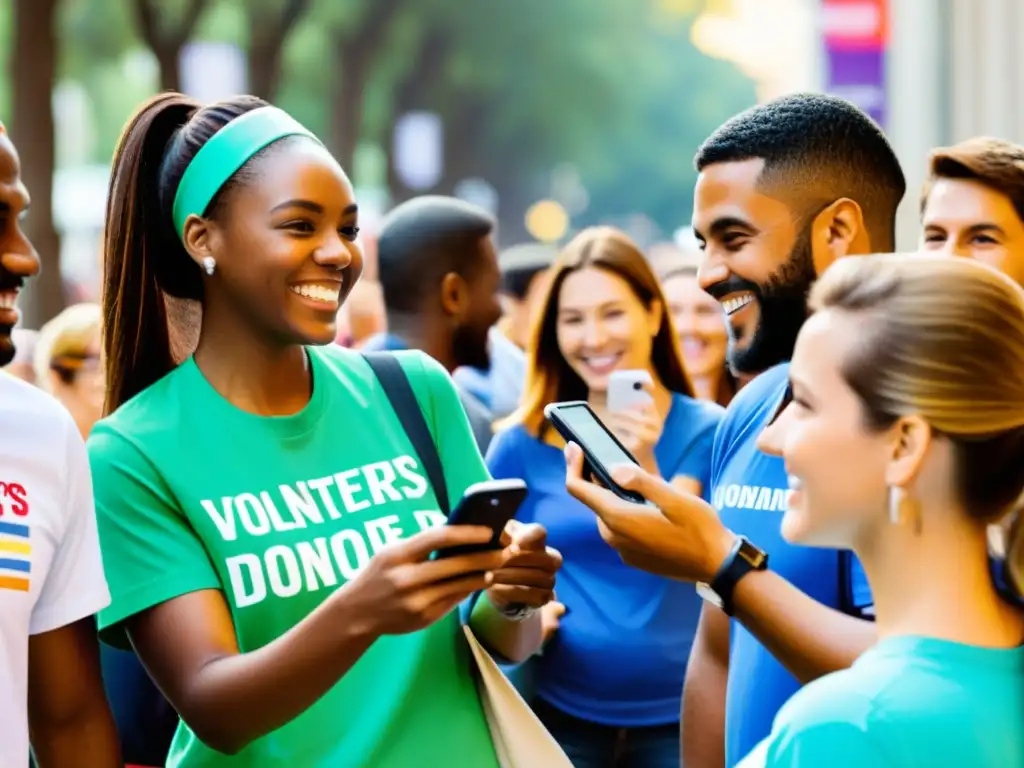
[[639, 429], [403, 590]]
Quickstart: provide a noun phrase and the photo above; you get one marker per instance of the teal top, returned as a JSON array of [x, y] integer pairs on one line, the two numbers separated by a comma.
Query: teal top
[[907, 702]]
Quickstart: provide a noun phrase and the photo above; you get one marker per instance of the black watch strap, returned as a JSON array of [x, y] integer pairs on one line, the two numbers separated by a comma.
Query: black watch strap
[[743, 558]]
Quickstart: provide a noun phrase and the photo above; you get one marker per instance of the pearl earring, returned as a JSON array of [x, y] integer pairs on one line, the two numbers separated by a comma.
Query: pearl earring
[[209, 264], [903, 510], [897, 497]]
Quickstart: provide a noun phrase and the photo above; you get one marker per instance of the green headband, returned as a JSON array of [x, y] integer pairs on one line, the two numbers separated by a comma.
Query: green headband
[[227, 151]]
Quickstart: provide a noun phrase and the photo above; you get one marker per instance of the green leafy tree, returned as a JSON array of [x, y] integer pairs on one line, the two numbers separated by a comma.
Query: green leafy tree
[[614, 89]]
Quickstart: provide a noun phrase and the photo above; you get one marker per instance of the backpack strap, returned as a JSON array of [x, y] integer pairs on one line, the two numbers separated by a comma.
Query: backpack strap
[[403, 400]]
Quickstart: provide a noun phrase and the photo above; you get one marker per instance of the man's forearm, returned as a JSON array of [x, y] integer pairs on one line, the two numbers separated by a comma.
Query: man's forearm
[[88, 741], [810, 639]]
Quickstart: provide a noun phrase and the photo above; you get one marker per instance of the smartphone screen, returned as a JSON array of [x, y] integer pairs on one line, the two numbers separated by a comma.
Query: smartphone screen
[[595, 435]]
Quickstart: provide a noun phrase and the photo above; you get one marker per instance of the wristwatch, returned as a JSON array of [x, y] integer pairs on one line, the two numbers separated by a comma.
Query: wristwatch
[[743, 558], [515, 611]]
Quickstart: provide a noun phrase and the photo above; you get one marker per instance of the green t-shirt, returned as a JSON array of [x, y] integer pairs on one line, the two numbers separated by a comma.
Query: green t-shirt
[[278, 512]]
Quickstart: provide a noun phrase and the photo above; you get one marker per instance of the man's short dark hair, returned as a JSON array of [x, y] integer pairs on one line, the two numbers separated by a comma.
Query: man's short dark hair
[[816, 149], [424, 239], [995, 163]]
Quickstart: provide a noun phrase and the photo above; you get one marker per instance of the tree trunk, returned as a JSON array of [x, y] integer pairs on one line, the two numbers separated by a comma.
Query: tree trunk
[[170, 72], [166, 43], [354, 58], [347, 91], [35, 53], [269, 29], [263, 72], [462, 142], [415, 92]]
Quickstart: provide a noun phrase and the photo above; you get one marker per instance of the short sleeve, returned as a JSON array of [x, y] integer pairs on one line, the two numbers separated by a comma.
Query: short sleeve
[[696, 456], [463, 465], [75, 586], [835, 744], [719, 440], [151, 553]]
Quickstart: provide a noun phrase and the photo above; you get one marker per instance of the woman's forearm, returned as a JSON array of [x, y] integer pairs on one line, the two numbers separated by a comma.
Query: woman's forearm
[[236, 698]]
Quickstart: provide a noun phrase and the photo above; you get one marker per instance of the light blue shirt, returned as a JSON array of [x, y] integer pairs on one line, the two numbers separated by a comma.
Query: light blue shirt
[[909, 702]]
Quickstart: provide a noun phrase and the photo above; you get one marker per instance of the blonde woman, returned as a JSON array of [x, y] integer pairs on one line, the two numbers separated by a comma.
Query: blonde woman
[[67, 363], [903, 440]]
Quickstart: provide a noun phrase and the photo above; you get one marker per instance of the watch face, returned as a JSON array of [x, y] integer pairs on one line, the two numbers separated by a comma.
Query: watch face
[[754, 556]]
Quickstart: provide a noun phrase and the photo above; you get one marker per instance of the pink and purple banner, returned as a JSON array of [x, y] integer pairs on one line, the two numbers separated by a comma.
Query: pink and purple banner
[[856, 34]]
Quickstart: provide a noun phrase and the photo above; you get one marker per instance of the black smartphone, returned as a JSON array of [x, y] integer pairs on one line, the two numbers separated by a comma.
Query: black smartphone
[[492, 504], [577, 423]]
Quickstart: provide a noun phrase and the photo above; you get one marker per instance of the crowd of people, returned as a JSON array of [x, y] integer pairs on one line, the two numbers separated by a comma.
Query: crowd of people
[[196, 568]]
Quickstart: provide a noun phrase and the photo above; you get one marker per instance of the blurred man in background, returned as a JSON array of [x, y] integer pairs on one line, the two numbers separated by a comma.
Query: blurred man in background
[[524, 269], [973, 203], [440, 280]]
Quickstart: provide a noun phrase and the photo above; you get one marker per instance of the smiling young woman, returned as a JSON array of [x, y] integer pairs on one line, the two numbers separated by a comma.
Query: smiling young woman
[[266, 530], [904, 441]]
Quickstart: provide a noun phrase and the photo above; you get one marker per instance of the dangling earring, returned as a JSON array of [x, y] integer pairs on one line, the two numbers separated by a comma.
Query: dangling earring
[[902, 509], [896, 497], [209, 265]]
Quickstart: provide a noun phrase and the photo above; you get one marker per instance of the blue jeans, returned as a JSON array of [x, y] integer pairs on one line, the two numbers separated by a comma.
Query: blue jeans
[[592, 745], [145, 721]]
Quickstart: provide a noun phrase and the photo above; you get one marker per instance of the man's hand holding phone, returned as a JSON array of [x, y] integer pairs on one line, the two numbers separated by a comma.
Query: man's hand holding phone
[[677, 534]]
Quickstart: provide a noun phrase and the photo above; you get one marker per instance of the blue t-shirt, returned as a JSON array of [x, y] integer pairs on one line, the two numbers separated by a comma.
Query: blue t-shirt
[[500, 387], [620, 653], [909, 702], [749, 489]]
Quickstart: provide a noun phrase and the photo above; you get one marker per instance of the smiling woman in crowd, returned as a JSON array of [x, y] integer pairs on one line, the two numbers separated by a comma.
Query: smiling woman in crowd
[[608, 685], [703, 337]]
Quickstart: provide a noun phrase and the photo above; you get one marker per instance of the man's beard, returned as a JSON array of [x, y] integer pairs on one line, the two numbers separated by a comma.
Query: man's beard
[[6, 345], [470, 345], [782, 310], [7, 282]]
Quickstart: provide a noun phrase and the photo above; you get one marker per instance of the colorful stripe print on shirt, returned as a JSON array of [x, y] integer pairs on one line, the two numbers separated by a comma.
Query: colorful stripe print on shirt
[[15, 556]]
